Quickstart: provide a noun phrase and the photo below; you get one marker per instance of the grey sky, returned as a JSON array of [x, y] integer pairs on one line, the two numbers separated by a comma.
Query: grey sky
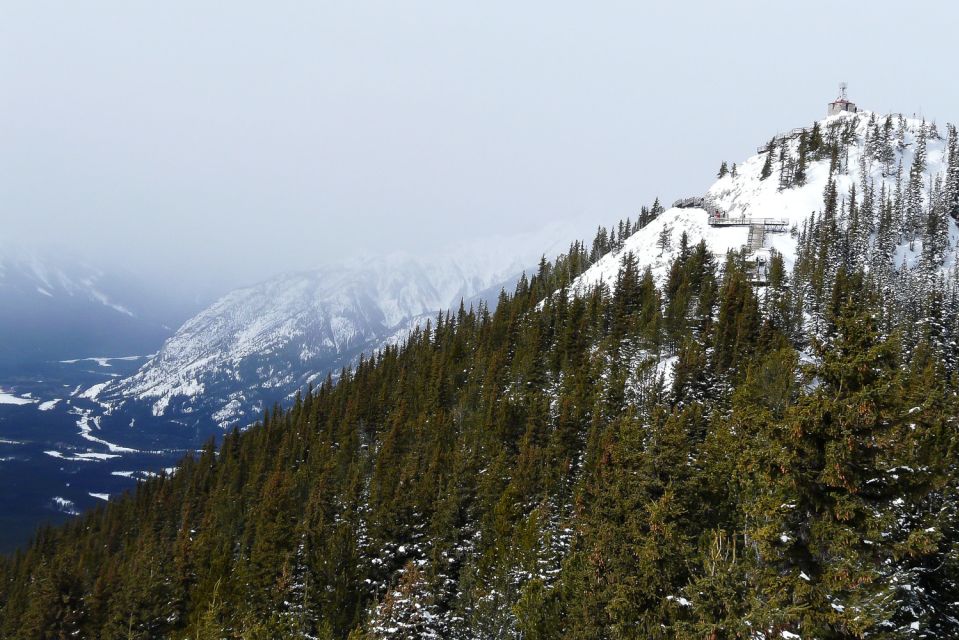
[[250, 137]]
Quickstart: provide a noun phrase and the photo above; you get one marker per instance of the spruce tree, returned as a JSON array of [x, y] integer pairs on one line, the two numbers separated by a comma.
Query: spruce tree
[[816, 143], [664, 239], [952, 173], [799, 176], [767, 169], [936, 231], [843, 444], [656, 209]]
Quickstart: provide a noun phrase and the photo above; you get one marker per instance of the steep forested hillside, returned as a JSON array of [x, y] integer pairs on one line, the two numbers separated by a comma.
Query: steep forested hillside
[[685, 455], [260, 344]]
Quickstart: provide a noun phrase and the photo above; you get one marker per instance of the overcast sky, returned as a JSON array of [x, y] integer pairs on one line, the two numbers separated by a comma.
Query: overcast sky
[[244, 138]]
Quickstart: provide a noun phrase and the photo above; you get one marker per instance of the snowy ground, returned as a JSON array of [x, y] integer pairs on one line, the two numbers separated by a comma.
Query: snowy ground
[[9, 398], [745, 196], [643, 244]]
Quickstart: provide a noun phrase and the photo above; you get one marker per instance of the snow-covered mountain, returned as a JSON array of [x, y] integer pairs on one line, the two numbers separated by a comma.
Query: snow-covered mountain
[[876, 161], [257, 345], [55, 307]]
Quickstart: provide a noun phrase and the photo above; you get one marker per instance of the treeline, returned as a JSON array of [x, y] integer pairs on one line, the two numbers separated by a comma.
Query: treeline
[[695, 458], [532, 472], [559, 273]]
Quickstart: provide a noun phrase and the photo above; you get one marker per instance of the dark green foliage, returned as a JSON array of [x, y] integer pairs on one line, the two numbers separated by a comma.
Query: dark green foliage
[[952, 173], [767, 169], [529, 472], [799, 176]]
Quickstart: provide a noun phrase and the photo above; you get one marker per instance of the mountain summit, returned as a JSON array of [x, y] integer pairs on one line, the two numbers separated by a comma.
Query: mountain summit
[[863, 160]]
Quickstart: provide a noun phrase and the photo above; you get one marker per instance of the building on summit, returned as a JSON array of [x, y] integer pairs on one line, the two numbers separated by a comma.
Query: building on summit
[[842, 103]]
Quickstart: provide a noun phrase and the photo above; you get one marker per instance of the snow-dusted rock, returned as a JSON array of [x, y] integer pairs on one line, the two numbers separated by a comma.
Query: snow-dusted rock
[[259, 344]]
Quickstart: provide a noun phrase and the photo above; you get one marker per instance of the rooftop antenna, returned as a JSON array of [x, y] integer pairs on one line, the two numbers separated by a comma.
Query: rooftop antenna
[[842, 90]]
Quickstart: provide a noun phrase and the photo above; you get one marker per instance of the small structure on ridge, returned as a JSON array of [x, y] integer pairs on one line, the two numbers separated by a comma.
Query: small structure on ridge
[[842, 103]]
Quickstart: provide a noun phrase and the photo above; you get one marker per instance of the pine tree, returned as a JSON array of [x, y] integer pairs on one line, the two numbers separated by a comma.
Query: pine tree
[[799, 177], [749, 581], [936, 232], [767, 169], [899, 206], [655, 210], [664, 239], [628, 556], [885, 154], [914, 190], [842, 438], [737, 324], [816, 143], [952, 173], [785, 165]]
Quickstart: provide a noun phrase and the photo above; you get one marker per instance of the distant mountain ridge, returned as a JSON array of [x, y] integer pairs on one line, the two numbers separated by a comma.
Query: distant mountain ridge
[[257, 345], [736, 418], [260, 344], [56, 307]]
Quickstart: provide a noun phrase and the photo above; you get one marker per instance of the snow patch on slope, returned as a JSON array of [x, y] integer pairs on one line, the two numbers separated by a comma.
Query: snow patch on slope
[[259, 344], [746, 196], [9, 398], [643, 245]]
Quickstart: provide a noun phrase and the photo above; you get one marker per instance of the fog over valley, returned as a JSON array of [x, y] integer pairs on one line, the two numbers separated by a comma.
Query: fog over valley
[[196, 147]]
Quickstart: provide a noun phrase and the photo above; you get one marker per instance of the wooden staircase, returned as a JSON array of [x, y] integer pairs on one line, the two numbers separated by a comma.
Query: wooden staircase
[[758, 269], [757, 235], [758, 273]]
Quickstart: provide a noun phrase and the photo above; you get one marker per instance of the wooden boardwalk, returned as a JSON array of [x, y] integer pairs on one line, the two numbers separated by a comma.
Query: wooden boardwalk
[[772, 225], [757, 235], [779, 137], [758, 269]]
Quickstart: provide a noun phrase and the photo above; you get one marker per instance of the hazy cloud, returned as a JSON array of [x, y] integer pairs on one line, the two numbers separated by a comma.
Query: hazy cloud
[[240, 139]]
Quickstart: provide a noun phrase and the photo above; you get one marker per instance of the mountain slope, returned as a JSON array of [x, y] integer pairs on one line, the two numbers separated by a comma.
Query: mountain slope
[[533, 473], [747, 196], [53, 307], [260, 344]]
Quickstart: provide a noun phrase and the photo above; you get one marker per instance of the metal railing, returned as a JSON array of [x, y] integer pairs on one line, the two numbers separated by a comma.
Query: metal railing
[[689, 203], [779, 137], [757, 235], [723, 221]]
